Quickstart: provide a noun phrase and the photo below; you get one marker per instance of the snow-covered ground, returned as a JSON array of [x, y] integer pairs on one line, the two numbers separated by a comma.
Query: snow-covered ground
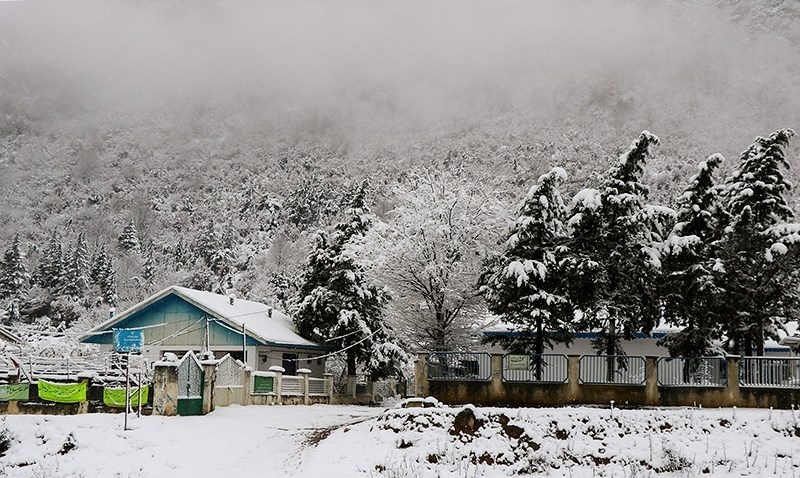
[[341, 441]]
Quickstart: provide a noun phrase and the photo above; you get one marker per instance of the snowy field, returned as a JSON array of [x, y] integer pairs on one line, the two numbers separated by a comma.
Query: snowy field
[[341, 441]]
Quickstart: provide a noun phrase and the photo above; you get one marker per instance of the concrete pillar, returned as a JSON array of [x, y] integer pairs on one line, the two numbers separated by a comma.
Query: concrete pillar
[[651, 395], [209, 377], [573, 378], [352, 389], [85, 378], [246, 385], [278, 381], [304, 373], [732, 392], [329, 386], [496, 392], [421, 376], [165, 388], [13, 405]]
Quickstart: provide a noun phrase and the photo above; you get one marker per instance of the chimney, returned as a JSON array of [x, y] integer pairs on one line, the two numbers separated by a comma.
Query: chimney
[[230, 299], [111, 312]]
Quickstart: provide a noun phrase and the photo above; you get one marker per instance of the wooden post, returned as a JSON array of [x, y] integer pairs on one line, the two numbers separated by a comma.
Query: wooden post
[[304, 374], [496, 393], [127, 388], [246, 385], [209, 377]]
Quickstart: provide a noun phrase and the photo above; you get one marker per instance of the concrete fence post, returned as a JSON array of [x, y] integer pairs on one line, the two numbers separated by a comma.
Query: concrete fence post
[[209, 377], [304, 373], [496, 392], [278, 382], [246, 376], [329, 385], [13, 405], [732, 392], [421, 376], [165, 388], [573, 378], [651, 395]]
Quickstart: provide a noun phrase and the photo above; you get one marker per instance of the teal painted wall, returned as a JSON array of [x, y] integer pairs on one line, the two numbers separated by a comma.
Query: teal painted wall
[[182, 319]]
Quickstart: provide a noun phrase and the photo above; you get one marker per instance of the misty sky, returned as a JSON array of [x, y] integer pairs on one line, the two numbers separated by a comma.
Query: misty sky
[[401, 64]]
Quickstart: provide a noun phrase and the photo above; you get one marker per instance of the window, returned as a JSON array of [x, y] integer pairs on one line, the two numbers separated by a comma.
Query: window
[[290, 364]]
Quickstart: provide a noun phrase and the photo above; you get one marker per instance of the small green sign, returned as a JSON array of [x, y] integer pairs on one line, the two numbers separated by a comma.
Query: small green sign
[[262, 384], [14, 391], [519, 362]]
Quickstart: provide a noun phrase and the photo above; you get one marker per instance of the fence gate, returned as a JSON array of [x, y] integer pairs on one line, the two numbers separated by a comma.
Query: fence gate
[[190, 386], [229, 383]]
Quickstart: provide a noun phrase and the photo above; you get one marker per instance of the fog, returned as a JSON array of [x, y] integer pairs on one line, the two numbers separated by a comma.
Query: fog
[[399, 66]]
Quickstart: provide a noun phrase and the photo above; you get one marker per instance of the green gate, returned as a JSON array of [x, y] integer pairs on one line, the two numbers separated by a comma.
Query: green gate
[[190, 386]]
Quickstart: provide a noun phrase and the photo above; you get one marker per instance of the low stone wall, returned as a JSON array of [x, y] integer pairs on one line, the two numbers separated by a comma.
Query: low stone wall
[[496, 392]]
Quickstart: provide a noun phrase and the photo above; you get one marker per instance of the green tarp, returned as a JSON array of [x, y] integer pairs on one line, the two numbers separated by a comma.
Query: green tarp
[[14, 391], [62, 392], [115, 397]]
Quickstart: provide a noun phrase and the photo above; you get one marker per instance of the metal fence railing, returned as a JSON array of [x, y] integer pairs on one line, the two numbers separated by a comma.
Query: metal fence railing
[[770, 372], [317, 386], [545, 368], [612, 369], [291, 385], [459, 366], [692, 372]]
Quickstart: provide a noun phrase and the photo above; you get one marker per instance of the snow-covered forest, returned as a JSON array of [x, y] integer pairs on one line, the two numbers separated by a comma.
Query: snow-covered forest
[[144, 144]]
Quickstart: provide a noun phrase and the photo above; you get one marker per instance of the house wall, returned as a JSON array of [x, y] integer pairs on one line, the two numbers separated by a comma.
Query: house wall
[[269, 356]]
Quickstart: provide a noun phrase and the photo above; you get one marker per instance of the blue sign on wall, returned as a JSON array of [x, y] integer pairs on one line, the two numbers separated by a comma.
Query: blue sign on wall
[[128, 340]]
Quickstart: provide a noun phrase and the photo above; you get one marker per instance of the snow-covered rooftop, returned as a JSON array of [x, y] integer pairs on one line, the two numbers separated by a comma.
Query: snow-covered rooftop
[[260, 321]]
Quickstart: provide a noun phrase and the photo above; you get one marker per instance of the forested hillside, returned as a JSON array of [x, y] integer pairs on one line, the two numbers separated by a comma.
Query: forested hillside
[[144, 144]]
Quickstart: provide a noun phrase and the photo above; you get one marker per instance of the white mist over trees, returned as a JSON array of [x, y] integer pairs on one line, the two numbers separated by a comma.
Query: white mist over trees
[[204, 143]]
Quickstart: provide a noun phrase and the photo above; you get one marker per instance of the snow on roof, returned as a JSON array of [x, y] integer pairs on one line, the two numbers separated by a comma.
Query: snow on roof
[[260, 321]]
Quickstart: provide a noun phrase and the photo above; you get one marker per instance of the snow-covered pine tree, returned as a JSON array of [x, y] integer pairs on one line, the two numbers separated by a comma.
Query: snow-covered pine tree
[[336, 304], [689, 289], [50, 273], [610, 260], [149, 267], [77, 270], [14, 277], [757, 262], [129, 239], [104, 276], [522, 284]]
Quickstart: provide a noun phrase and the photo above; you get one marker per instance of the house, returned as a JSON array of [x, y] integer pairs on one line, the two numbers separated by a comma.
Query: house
[[179, 319]]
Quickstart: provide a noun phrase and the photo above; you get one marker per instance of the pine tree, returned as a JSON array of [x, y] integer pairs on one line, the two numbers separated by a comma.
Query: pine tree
[[129, 239], [690, 288], [50, 273], [77, 273], [337, 305], [104, 276], [758, 265], [610, 260], [14, 280], [149, 267], [523, 284]]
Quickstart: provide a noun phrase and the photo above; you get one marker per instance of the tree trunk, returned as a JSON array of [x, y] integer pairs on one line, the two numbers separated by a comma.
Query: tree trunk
[[351, 363]]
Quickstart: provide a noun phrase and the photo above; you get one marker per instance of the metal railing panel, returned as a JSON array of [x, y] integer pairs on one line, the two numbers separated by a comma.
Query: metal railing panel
[[545, 368], [612, 369], [769, 372], [692, 372], [316, 386], [291, 385], [459, 366]]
